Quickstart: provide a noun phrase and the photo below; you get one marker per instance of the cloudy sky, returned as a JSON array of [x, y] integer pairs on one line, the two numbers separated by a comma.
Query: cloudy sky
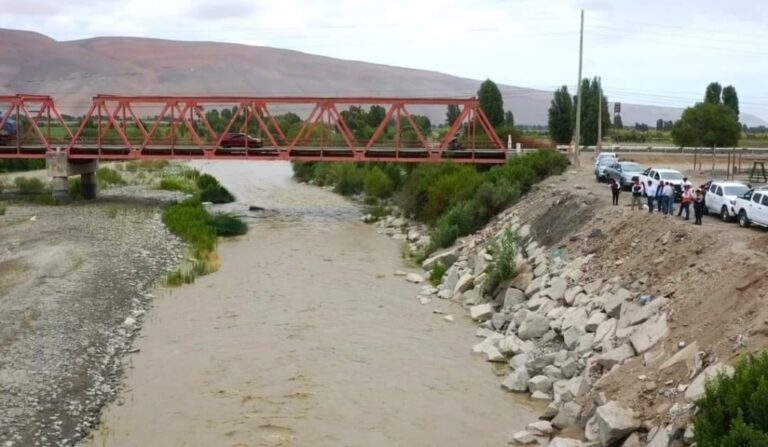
[[660, 52]]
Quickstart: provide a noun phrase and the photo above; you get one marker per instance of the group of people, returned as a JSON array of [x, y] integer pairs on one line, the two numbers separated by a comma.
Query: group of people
[[661, 194]]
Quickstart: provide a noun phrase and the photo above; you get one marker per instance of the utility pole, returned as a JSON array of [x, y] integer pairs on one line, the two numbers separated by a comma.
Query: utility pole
[[599, 116], [577, 138]]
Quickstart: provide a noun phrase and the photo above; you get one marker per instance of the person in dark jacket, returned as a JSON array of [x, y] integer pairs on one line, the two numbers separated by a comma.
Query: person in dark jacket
[[660, 197], [698, 206], [615, 191]]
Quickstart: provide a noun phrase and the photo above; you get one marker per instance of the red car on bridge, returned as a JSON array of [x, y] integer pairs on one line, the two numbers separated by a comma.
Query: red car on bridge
[[240, 140]]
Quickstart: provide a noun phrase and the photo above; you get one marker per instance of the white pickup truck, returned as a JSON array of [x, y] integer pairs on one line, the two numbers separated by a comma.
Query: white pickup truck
[[667, 175], [720, 197], [752, 208]]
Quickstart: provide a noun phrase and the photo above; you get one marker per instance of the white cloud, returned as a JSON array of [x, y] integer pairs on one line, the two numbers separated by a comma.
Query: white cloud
[[656, 51]]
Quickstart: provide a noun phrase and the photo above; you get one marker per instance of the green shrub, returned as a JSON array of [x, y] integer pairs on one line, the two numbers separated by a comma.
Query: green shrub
[[503, 266], [75, 190], [226, 225], [21, 164], [2, 210], [378, 184], [456, 198], [348, 179], [212, 191], [206, 181], [131, 166], [107, 177], [216, 195], [458, 221], [29, 185], [734, 411], [437, 273]]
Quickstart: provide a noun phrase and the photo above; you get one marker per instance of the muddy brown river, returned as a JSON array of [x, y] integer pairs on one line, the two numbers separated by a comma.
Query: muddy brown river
[[305, 338]]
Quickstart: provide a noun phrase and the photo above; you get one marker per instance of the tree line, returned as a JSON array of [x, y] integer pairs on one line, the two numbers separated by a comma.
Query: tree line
[[714, 122]]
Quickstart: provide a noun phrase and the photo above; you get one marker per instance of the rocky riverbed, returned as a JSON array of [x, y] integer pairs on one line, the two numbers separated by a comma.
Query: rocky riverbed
[[75, 283]]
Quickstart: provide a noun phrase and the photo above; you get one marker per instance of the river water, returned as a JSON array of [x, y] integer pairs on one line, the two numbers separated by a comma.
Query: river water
[[305, 338]]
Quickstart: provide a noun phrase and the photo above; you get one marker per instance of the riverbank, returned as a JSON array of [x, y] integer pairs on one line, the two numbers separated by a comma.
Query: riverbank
[[615, 317], [305, 337], [74, 283], [76, 280]]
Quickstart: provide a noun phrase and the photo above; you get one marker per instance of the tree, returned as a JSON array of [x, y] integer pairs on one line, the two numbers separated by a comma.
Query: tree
[[590, 90], [707, 125], [731, 99], [452, 114], [712, 95], [561, 117], [491, 102], [617, 123], [509, 119], [659, 124], [376, 115]]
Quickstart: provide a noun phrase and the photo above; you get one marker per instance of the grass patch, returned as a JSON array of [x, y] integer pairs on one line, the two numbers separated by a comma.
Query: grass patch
[[108, 177], [27, 185], [437, 273], [153, 165], [196, 226], [177, 183], [2, 210]]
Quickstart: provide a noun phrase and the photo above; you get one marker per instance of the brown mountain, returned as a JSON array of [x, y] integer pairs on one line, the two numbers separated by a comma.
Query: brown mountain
[[74, 71]]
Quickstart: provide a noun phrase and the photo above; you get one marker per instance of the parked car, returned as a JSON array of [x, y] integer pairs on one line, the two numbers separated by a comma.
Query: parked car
[[605, 155], [720, 198], [667, 175], [600, 166], [623, 172], [239, 140], [752, 208]]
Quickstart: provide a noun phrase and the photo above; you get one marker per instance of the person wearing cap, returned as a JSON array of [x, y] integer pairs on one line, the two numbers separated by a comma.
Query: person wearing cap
[[686, 198], [650, 192], [698, 206]]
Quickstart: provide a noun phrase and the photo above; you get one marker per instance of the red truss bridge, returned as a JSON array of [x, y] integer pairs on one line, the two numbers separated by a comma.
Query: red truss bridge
[[180, 127]]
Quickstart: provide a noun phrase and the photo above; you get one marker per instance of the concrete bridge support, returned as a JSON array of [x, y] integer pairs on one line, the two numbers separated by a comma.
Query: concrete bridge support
[[60, 168]]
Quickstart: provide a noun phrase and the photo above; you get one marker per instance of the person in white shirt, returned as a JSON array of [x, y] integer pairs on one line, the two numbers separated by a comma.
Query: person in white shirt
[[650, 192], [669, 198]]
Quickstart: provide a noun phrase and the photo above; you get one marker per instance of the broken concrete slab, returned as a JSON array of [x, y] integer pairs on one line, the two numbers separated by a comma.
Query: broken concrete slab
[[615, 421], [650, 333], [534, 326], [481, 312]]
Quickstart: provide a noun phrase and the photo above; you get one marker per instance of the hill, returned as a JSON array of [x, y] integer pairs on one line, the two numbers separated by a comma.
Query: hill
[[74, 71]]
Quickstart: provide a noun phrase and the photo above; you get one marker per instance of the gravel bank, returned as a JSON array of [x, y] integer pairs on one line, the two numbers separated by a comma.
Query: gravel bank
[[75, 281]]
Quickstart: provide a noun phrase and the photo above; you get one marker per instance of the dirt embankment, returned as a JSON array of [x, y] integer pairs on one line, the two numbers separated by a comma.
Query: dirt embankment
[[74, 281], [715, 277], [616, 316]]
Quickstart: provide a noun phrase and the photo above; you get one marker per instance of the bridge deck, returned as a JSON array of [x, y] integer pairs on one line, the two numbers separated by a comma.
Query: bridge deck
[[301, 153]]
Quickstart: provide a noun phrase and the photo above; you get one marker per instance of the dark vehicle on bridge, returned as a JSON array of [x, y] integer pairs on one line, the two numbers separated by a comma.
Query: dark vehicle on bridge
[[241, 140], [8, 131]]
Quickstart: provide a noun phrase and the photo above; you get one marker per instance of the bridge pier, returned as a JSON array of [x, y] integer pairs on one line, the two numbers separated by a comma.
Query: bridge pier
[[60, 168]]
